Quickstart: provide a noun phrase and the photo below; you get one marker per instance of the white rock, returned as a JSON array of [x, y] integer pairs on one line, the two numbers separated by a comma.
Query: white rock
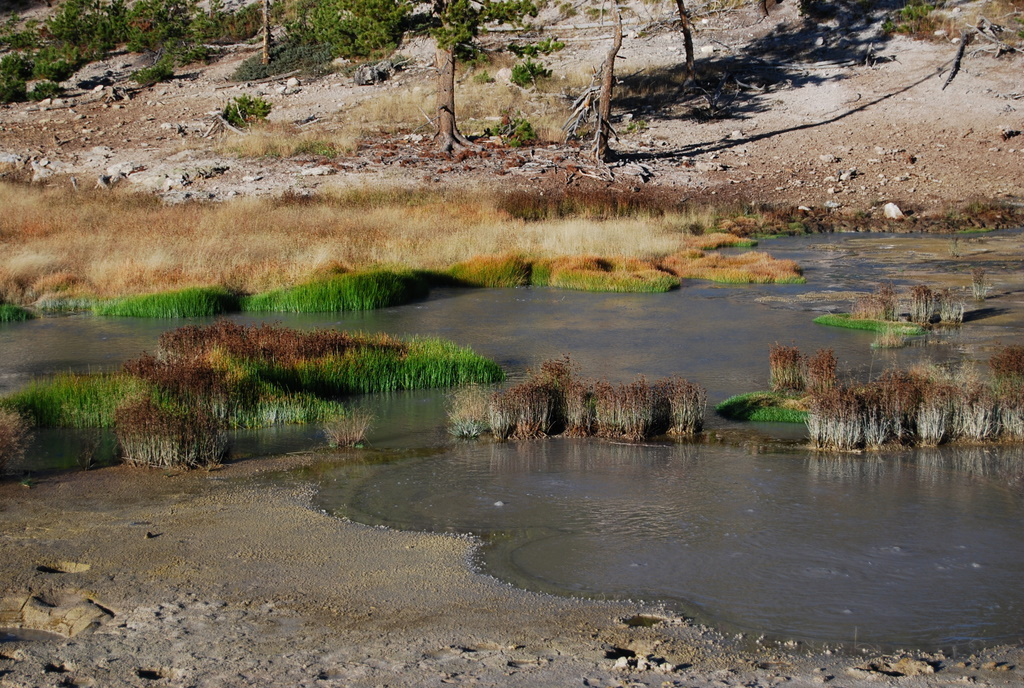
[[293, 83], [828, 157], [10, 159], [707, 49], [892, 211]]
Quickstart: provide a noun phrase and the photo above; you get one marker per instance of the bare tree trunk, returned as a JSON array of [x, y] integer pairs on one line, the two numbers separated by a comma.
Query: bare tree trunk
[[687, 28], [266, 31], [448, 136], [604, 107]]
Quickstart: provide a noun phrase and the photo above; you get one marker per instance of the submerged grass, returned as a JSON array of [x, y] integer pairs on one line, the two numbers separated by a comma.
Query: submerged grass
[[195, 302], [10, 313], [888, 327], [765, 407], [357, 291]]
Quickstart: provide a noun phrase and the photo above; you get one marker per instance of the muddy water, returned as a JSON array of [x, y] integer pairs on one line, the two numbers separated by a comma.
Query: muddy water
[[745, 530], [918, 549]]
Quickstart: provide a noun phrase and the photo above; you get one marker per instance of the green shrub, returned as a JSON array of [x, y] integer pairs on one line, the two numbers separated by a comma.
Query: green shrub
[[352, 28], [544, 47], [357, 291], [218, 26], [91, 26], [55, 63], [27, 38], [515, 130], [161, 71], [526, 73], [12, 90], [245, 110], [44, 90], [284, 58]]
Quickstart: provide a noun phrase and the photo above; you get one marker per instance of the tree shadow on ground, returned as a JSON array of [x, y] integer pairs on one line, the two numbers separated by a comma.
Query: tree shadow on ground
[[9, 7], [739, 85]]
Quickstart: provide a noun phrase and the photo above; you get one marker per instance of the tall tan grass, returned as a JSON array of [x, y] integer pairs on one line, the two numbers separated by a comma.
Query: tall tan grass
[[58, 243]]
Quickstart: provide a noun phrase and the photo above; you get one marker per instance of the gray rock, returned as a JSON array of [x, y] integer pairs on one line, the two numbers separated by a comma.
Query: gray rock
[[10, 159], [318, 171], [374, 73]]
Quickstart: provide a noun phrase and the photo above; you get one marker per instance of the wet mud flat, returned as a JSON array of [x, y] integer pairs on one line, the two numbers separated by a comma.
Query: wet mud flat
[[222, 579]]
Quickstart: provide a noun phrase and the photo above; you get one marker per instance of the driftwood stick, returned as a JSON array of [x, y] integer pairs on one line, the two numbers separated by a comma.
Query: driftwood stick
[[956, 60]]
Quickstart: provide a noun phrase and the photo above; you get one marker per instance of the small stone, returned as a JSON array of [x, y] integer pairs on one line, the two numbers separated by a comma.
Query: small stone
[[293, 83], [318, 171], [828, 158]]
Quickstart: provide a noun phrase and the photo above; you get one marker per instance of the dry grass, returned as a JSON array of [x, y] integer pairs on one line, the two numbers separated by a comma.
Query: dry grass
[[750, 267], [60, 245], [286, 140]]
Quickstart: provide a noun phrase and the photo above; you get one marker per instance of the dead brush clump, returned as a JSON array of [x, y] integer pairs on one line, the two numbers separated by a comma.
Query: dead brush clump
[[348, 429], [468, 411], [835, 420], [586, 202], [555, 400], [786, 365], [632, 411], [821, 371], [274, 344], [687, 404], [934, 421], [880, 304], [594, 273], [922, 304], [951, 308], [13, 436], [1007, 367], [170, 435], [975, 414]]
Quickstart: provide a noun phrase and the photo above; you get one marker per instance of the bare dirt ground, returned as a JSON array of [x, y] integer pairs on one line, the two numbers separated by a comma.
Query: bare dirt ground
[[786, 110], [225, 579]]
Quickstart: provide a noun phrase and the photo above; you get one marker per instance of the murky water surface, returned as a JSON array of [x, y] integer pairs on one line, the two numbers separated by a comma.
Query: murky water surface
[[745, 530]]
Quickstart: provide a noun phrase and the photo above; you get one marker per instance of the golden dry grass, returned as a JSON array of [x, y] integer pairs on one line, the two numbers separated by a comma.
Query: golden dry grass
[[750, 267], [65, 245]]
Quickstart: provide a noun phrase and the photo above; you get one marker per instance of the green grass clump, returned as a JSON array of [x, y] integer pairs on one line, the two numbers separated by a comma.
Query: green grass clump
[[248, 377], [764, 407], [356, 291], [845, 320], [12, 313], [75, 401], [491, 271], [186, 303]]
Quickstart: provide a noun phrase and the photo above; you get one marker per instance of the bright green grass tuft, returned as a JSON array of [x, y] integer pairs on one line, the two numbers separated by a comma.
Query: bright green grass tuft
[[186, 303], [357, 291], [75, 401], [844, 320], [764, 407], [11, 313]]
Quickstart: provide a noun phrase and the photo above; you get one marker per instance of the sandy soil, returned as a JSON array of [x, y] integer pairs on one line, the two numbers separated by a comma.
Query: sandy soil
[[786, 110], [226, 579]]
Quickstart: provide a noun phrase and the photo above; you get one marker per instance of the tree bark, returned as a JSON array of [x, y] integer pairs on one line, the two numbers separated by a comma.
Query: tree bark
[[604, 106], [266, 31], [687, 28], [448, 136]]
